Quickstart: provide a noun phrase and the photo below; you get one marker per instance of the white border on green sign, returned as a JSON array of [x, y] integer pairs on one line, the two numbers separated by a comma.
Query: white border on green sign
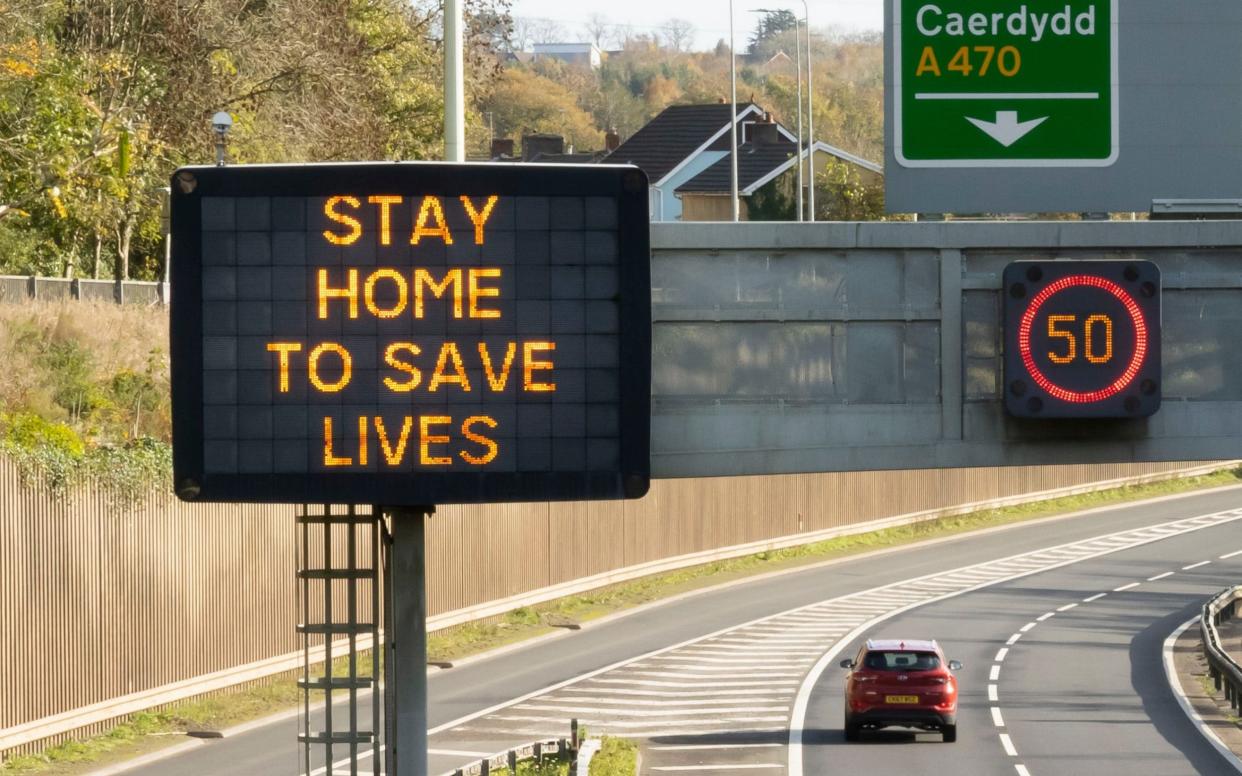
[[898, 128]]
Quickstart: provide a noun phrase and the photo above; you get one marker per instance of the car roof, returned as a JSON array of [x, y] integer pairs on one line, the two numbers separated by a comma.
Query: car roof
[[915, 645]]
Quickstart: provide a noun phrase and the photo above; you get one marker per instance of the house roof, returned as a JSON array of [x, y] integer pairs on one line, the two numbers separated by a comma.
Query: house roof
[[761, 167], [677, 133], [754, 161]]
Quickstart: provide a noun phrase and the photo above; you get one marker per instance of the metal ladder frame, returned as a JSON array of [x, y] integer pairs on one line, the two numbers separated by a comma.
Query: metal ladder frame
[[325, 573]]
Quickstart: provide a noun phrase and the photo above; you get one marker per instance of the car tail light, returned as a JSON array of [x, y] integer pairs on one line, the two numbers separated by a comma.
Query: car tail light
[[937, 680], [864, 678]]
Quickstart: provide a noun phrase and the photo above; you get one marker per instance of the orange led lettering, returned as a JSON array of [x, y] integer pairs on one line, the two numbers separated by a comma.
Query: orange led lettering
[[284, 349], [431, 209], [477, 218], [449, 350], [531, 366], [350, 292], [1071, 342], [423, 278], [329, 459], [362, 440], [368, 293], [385, 202], [355, 226], [426, 439], [492, 447], [1089, 349], [497, 382], [476, 292], [391, 455], [346, 367], [390, 357]]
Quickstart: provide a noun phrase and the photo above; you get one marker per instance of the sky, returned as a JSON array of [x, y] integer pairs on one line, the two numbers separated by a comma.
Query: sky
[[709, 17]]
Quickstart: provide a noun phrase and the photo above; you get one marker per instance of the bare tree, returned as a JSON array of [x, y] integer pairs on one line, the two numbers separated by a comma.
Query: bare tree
[[528, 31], [597, 28], [678, 34]]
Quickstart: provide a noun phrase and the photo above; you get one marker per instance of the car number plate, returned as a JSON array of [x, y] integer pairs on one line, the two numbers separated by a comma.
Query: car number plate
[[901, 699]]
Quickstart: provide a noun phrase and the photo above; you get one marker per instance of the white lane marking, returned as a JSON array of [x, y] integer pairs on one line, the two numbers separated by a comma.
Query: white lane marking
[[1095, 597], [1175, 683], [692, 747], [1231, 554], [992, 693], [1196, 565], [798, 719], [460, 753], [648, 702], [1067, 607], [687, 674], [1045, 616], [1159, 577], [585, 709], [1007, 742], [1027, 627], [994, 674], [657, 683], [368, 752], [1013, 639], [1124, 588], [600, 692], [1021, 769], [747, 767], [996, 717], [639, 723], [1001, 653]]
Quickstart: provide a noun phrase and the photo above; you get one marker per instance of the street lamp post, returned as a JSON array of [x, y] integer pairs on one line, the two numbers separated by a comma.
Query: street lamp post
[[733, 196], [810, 115]]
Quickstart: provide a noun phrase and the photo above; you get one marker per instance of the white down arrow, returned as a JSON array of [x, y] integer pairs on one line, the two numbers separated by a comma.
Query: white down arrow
[[1006, 130]]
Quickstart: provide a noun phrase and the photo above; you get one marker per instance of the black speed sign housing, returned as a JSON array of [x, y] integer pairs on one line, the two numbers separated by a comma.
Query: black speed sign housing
[[1082, 339]]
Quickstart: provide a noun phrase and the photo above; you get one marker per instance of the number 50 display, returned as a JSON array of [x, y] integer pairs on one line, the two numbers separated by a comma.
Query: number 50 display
[[1082, 339]]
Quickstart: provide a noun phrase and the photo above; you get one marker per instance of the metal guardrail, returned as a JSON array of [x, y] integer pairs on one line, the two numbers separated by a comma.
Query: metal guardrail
[[1225, 672], [536, 751]]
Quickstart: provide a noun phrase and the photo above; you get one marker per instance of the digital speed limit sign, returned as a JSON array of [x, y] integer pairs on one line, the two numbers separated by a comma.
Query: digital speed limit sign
[[1082, 339]]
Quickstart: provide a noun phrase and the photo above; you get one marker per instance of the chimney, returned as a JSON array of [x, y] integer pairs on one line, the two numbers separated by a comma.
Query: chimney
[[533, 145], [612, 140], [763, 132], [502, 147]]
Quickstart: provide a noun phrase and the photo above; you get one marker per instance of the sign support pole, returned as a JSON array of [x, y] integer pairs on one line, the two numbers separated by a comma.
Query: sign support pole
[[405, 671]]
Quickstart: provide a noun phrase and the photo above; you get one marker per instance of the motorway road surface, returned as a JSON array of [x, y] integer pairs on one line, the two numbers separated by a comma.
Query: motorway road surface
[[710, 682]]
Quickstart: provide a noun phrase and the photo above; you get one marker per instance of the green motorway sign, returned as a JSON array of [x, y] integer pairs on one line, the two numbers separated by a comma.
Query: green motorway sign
[[999, 83]]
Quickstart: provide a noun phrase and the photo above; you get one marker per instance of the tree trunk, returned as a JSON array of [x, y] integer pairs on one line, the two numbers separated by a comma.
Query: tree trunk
[[124, 235]]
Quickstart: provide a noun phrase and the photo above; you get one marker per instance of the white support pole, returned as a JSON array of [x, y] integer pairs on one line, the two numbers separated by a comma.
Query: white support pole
[[810, 116], [801, 161], [454, 84], [736, 204]]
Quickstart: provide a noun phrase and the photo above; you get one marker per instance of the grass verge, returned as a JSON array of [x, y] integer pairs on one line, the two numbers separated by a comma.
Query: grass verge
[[144, 731], [616, 757]]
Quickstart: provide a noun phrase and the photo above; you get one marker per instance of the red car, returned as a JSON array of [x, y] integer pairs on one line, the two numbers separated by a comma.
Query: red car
[[901, 684]]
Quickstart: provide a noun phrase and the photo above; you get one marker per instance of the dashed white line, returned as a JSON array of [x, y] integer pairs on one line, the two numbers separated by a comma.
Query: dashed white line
[[996, 717], [1231, 554], [1045, 616], [1008, 744], [1000, 654], [1067, 607], [1013, 639], [1124, 588], [1021, 769], [1160, 576], [1027, 627], [1196, 565], [1095, 597], [992, 693]]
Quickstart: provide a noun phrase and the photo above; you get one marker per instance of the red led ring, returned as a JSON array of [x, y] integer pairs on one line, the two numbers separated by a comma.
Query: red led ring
[[1140, 339]]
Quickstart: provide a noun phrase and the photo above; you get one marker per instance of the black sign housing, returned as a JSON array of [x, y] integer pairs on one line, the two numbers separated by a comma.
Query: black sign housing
[[1082, 339], [409, 334]]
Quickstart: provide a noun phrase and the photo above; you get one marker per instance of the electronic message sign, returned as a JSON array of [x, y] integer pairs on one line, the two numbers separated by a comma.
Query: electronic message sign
[[991, 83], [1082, 339], [410, 333]]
